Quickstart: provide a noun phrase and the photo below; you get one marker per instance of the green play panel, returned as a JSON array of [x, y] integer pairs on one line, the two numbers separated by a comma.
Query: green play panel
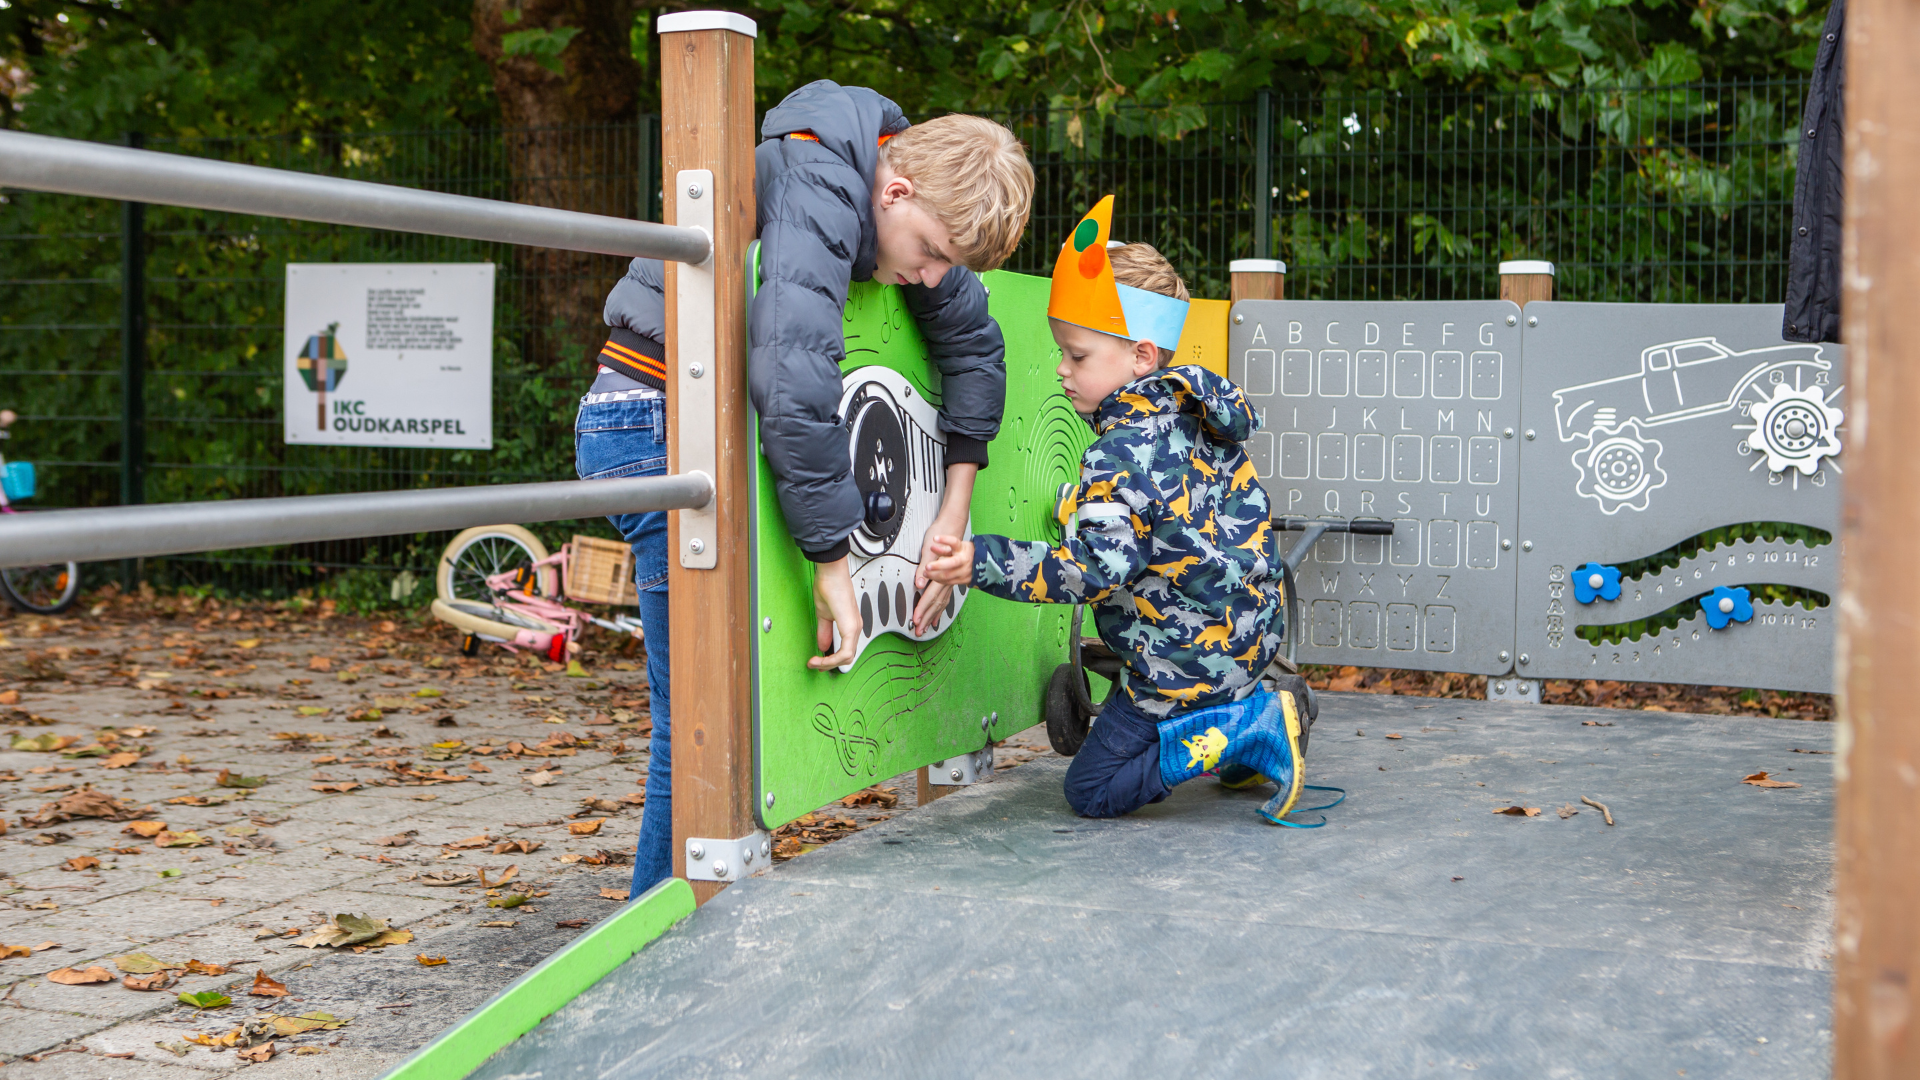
[[819, 736]]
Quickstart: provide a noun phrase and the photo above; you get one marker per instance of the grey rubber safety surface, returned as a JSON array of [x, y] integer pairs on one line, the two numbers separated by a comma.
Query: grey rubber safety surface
[[994, 934]]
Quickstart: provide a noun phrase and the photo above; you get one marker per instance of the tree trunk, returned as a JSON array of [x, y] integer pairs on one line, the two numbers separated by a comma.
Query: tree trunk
[[571, 143]]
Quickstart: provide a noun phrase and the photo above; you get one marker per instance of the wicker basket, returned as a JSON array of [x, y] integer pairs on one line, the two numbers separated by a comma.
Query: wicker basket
[[601, 572]]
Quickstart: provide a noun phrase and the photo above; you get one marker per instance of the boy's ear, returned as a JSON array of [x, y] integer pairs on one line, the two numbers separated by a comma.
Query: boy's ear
[[1146, 359], [895, 189]]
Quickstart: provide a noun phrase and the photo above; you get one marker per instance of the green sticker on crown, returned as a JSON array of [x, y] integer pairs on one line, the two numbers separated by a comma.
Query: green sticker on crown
[[1085, 234]]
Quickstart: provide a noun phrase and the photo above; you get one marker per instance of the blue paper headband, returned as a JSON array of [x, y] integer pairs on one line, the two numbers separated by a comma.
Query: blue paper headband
[[1152, 316]]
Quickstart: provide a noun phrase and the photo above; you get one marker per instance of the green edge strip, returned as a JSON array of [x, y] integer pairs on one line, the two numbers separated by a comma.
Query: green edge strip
[[557, 980]]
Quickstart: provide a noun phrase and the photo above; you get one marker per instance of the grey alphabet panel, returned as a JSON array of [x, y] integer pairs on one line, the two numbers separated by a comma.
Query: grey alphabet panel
[[1405, 412], [1646, 425]]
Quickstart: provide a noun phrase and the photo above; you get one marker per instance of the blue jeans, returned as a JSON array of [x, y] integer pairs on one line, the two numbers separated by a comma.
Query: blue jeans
[[1117, 770], [629, 438]]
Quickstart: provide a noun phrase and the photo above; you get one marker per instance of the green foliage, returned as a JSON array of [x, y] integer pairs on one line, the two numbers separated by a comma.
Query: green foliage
[[544, 46]]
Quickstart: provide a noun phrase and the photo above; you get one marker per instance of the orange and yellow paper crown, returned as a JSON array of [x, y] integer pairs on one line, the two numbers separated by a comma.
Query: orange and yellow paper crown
[[1085, 294]]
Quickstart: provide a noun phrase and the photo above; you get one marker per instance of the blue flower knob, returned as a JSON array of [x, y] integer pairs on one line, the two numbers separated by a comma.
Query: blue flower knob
[[1593, 581], [1724, 605]]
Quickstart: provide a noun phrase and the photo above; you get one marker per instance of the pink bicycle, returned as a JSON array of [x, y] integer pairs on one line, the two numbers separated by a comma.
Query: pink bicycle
[[497, 584]]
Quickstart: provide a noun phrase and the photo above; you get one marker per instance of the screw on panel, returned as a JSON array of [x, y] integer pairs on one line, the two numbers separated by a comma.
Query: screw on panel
[[996, 717], [696, 545], [766, 626], [983, 723], [1511, 319], [769, 800], [1506, 544], [1529, 434], [1500, 687], [696, 369], [1503, 656], [956, 774], [765, 845], [1524, 658], [694, 190], [719, 869], [1526, 545], [746, 857], [1508, 433], [1238, 319], [697, 852]]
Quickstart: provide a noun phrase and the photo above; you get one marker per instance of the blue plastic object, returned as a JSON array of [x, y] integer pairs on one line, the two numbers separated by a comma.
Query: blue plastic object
[[17, 480], [1593, 581], [1724, 605]]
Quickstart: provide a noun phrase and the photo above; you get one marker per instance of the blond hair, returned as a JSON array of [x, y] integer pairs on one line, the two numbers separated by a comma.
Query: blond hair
[[1143, 267], [974, 178]]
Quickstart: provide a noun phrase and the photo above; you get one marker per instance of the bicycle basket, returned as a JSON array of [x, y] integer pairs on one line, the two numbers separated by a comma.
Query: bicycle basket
[[17, 480]]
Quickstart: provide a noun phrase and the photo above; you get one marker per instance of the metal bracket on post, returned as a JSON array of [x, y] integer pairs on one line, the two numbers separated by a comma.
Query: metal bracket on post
[[695, 381], [727, 860], [965, 769], [1514, 689]]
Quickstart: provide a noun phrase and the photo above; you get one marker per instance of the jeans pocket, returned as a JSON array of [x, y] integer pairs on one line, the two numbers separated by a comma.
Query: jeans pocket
[[620, 438]]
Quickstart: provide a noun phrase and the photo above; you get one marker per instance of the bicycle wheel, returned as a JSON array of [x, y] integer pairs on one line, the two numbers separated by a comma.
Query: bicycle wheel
[[484, 551], [42, 590], [500, 624]]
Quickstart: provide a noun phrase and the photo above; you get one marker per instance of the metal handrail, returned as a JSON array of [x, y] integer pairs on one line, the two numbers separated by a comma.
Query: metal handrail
[[74, 167], [128, 532]]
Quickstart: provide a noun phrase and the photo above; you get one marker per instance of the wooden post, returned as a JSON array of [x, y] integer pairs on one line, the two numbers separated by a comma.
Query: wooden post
[[1257, 279], [706, 104], [1876, 1006], [1523, 280]]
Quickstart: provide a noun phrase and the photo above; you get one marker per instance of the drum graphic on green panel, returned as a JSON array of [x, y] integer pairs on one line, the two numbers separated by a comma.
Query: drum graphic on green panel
[[982, 668]]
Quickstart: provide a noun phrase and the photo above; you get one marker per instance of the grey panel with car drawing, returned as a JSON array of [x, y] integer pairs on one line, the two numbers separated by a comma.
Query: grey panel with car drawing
[[1404, 411], [1649, 424]]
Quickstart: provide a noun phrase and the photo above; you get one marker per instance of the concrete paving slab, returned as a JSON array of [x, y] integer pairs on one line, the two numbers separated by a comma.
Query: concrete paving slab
[[1418, 934], [30, 1031]]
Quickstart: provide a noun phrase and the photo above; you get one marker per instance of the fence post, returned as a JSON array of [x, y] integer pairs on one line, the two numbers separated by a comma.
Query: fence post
[[133, 362], [1263, 178], [706, 122], [649, 167], [1876, 1004], [1524, 280], [1257, 279]]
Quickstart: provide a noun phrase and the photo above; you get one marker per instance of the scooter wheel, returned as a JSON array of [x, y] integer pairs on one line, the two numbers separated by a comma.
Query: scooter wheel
[[1066, 725]]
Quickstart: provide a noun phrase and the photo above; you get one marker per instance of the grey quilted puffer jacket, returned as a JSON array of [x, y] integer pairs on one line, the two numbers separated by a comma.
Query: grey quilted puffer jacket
[[815, 199]]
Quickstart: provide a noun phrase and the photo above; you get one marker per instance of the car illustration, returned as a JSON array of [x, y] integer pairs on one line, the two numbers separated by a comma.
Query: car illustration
[[1683, 380]]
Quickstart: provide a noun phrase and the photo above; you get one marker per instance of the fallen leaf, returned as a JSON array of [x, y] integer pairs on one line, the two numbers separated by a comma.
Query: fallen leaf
[[468, 843], [1596, 723], [84, 803], [509, 875], [177, 1049], [320, 663], [10, 697], [230, 779], [148, 829], [241, 829], [76, 977], [247, 643], [44, 743], [1519, 811], [158, 980], [639, 798], [541, 778], [255, 1053], [569, 924], [444, 878], [266, 987], [873, 796], [586, 828], [206, 999], [430, 961], [339, 788], [429, 691], [501, 923], [313, 710], [511, 900], [185, 839], [613, 894], [120, 760], [1760, 779], [359, 716], [170, 873], [305, 1022], [390, 702], [215, 799], [1396, 736], [1566, 811], [80, 862], [201, 967], [524, 847], [8, 952]]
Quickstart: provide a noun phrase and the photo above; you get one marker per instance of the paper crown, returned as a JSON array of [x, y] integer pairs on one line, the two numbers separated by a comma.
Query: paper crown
[[1085, 294]]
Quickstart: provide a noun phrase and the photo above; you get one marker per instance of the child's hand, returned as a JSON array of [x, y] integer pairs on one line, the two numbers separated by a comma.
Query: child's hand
[[952, 563], [835, 605]]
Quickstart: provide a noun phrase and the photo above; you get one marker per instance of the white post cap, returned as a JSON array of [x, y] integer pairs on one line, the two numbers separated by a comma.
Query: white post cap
[[1256, 266], [1526, 266], [706, 20]]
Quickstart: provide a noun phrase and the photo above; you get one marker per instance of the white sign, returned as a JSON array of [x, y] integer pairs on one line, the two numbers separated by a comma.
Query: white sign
[[390, 354]]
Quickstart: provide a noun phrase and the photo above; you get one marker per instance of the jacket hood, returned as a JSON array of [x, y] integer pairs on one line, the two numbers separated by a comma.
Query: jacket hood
[[848, 121], [1219, 405]]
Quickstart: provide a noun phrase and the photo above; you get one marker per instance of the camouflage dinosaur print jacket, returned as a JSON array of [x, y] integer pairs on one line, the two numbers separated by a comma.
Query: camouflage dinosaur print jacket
[[1169, 543]]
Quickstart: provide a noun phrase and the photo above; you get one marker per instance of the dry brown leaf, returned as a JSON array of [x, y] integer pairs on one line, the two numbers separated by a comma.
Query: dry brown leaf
[[1519, 811], [85, 803], [320, 663], [541, 778], [467, 844], [524, 847], [502, 923], [586, 828], [1761, 779], [80, 862], [8, 952], [76, 977], [255, 1053], [430, 961], [148, 829], [613, 894], [186, 839], [266, 987], [120, 760], [398, 839], [501, 880], [201, 967], [639, 798], [339, 788], [159, 980], [1567, 811]]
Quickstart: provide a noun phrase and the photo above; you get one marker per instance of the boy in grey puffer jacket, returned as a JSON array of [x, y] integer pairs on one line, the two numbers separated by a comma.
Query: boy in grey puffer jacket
[[846, 191]]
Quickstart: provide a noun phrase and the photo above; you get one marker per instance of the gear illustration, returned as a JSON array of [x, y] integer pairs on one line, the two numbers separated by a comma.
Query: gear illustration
[[1619, 468], [1795, 429]]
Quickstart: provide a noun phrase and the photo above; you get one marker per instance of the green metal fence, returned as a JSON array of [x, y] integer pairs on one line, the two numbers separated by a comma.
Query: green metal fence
[[1679, 194]]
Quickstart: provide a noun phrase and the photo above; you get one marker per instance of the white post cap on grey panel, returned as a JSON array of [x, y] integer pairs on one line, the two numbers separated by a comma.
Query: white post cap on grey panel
[[1526, 266], [1256, 266], [707, 20]]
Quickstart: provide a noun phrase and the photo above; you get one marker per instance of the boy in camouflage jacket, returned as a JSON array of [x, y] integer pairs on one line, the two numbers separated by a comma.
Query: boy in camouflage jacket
[[1169, 542]]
